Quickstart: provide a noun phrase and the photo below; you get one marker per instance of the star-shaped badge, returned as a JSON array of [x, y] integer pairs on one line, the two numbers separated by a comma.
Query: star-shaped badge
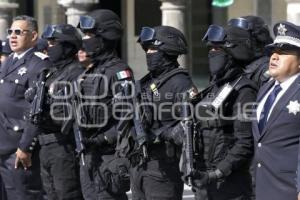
[[294, 107], [281, 30], [22, 71]]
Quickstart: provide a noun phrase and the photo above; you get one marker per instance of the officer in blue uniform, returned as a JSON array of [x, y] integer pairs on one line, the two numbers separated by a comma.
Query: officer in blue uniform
[[19, 165], [276, 127]]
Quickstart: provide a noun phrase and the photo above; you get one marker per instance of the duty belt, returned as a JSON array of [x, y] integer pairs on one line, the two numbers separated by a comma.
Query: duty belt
[[214, 123], [51, 138]]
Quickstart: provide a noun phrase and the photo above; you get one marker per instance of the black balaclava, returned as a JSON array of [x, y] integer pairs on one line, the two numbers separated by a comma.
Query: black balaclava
[[60, 53], [218, 61], [223, 67], [242, 49], [99, 49], [260, 33], [160, 62], [93, 46]]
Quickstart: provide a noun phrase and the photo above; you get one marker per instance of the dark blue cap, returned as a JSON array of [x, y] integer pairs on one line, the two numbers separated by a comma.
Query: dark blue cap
[[287, 36]]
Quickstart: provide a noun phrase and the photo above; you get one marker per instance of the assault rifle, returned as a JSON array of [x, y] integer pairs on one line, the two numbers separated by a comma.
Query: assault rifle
[[141, 135], [37, 104], [77, 116], [189, 152], [187, 156]]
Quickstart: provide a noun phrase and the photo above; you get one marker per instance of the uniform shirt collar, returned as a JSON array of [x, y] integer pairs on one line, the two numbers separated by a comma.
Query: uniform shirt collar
[[21, 55], [286, 84]]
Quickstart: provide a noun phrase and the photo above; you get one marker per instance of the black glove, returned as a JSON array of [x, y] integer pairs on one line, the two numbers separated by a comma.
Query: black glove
[[29, 94], [176, 134], [206, 177], [99, 140]]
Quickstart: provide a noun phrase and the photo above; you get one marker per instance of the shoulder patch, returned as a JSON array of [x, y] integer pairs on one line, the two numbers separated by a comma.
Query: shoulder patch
[[193, 91], [123, 74], [41, 55]]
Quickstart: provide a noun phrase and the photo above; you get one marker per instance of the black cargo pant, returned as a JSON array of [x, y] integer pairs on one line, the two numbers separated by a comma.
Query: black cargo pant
[[157, 180], [2, 190], [21, 184], [237, 186], [60, 171], [92, 182]]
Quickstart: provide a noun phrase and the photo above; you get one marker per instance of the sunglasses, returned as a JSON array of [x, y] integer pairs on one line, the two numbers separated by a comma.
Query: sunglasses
[[16, 31]]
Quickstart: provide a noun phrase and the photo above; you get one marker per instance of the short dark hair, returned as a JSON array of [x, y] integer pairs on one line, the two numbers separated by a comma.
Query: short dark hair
[[32, 22]]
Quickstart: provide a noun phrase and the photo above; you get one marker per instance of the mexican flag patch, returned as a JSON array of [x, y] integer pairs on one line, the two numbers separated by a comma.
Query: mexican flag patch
[[123, 74]]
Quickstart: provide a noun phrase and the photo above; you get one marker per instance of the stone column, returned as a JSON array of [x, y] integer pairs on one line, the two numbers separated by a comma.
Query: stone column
[[264, 10], [293, 11], [174, 14], [7, 11], [75, 8]]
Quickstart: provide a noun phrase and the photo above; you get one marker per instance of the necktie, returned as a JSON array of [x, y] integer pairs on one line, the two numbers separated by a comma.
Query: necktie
[[15, 60], [267, 106]]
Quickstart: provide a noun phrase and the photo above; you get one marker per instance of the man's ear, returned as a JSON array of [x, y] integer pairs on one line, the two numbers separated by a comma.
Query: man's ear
[[34, 36]]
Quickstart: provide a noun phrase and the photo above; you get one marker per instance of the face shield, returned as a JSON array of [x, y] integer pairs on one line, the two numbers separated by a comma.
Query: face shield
[[86, 22], [49, 32], [241, 23], [215, 33], [147, 38]]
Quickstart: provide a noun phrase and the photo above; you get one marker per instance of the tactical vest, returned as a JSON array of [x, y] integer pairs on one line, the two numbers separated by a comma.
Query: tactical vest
[[96, 87], [257, 71], [153, 93], [216, 134]]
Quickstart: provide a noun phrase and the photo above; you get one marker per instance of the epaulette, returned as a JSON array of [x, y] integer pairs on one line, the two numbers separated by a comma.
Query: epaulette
[[41, 55]]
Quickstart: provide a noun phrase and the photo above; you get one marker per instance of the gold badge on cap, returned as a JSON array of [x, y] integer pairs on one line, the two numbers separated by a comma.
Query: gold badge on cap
[[22, 71], [281, 30]]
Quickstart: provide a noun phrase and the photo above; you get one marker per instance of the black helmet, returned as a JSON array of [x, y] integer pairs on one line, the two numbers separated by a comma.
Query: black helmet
[[234, 40], [102, 22], [165, 38], [63, 33], [41, 44], [5, 47], [256, 26]]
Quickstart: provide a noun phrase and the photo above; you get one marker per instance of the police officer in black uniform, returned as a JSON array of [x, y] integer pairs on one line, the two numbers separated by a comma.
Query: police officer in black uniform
[[5, 51], [18, 73], [101, 84], [155, 167], [59, 168], [2, 60], [257, 67], [3, 55], [42, 45], [224, 139]]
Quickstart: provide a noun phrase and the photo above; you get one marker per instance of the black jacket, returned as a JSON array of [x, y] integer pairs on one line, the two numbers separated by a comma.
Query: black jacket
[[225, 139], [59, 78], [164, 91], [102, 85]]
